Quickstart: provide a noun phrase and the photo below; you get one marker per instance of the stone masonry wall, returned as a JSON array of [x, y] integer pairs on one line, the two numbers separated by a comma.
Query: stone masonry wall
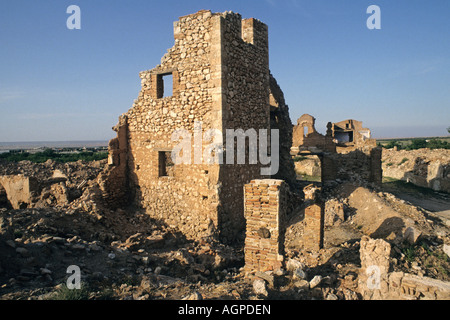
[[265, 214], [376, 282], [187, 197], [422, 167], [220, 75], [20, 190], [245, 90], [113, 181], [356, 164]]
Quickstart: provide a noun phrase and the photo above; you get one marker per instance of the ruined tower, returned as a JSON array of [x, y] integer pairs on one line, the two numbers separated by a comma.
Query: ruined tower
[[218, 72]]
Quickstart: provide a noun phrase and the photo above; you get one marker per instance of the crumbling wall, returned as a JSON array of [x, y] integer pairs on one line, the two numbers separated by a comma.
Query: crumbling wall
[[423, 167], [355, 164], [188, 197], [359, 160], [308, 165], [245, 105], [350, 133], [221, 81], [306, 138], [113, 180], [21, 191], [373, 276], [280, 119], [376, 282]]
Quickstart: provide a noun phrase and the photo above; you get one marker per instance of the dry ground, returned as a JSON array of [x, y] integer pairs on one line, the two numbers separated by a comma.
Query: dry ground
[[124, 254]]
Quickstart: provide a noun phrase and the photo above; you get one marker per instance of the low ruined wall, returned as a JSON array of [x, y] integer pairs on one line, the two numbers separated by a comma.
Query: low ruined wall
[[360, 165], [376, 282], [309, 166], [422, 167], [20, 190]]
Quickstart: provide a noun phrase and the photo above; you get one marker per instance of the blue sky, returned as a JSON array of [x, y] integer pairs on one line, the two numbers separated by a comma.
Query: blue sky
[[61, 84]]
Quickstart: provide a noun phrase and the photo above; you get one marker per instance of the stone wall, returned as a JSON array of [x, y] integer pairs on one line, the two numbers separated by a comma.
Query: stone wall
[[221, 81], [376, 282], [308, 165], [113, 181], [280, 119], [245, 90], [21, 191], [373, 275], [362, 164], [186, 198], [265, 214], [358, 161], [422, 167]]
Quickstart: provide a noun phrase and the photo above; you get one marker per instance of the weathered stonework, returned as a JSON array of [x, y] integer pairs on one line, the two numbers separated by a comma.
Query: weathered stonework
[[314, 219], [423, 167], [20, 190], [265, 213], [350, 133], [374, 270], [355, 157], [220, 80], [376, 282]]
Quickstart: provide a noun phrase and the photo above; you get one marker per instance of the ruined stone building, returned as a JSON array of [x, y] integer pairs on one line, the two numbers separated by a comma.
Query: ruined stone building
[[218, 72], [351, 133], [217, 77], [346, 151]]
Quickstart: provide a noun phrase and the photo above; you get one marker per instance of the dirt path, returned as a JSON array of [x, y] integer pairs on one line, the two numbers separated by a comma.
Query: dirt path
[[437, 203]]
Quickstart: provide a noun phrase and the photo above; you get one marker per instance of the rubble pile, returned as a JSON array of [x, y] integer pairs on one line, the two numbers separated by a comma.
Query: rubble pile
[[127, 254], [47, 184]]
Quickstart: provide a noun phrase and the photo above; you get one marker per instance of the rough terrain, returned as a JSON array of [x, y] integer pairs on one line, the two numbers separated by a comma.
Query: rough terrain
[[125, 254], [422, 167]]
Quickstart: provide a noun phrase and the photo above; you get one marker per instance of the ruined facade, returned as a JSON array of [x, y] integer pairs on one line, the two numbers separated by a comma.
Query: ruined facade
[[219, 73], [350, 133], [346, 152]]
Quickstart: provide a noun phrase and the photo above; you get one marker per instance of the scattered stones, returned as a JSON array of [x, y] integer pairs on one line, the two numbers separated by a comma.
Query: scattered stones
[[23, 252], [315, 281], [266, 276], [300, 274], [446, 249], [157, 270], [260, 288], [412, 235], [293, 265], [332, 296], [63, 212], [301, 284], [194, 296], [422, 167]]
